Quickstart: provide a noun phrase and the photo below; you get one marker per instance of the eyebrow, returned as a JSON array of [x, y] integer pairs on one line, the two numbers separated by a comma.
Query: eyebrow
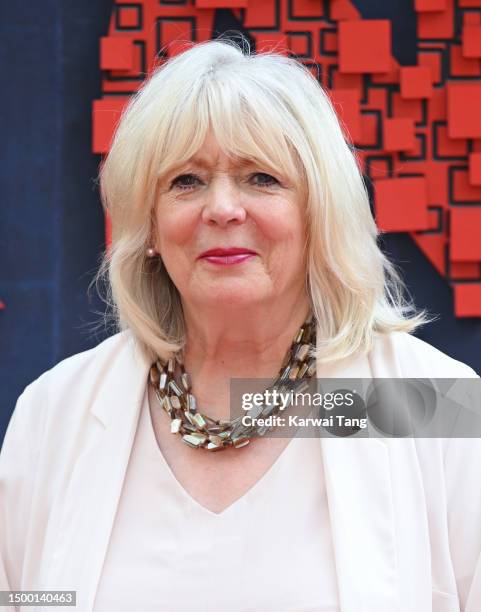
[[205, 163]]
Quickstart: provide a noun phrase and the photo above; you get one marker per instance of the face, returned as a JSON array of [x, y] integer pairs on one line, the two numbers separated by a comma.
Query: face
[[211, 203]]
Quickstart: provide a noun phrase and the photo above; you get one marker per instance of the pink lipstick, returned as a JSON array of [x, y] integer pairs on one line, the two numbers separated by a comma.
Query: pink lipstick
[[227, 256]]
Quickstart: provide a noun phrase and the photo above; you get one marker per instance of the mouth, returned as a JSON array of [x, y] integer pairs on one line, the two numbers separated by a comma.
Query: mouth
[[227, 256], [227, 260]]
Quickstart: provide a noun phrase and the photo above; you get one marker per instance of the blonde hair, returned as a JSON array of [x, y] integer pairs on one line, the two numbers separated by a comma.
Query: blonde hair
[[270, 108]]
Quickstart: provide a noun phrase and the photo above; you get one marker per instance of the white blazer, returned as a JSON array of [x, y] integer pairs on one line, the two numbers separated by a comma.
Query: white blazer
[[405, 513]]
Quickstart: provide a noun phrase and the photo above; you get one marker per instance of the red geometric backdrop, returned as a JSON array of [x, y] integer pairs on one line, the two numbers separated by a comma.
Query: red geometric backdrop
[[417, 129]]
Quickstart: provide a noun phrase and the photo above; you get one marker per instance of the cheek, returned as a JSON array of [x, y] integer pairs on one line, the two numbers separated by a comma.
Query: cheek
[[286, 233], [284, 227], [173, 239], [175, 227]]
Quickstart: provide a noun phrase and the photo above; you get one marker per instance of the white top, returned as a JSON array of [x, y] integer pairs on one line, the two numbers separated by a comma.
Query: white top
[[270, 550], [395, 505]]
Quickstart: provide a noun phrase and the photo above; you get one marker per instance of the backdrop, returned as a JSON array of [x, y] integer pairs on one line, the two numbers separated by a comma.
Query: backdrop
[[404, 76]]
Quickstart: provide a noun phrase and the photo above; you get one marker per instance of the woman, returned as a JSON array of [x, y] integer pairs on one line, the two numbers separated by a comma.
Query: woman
[[242, 247]]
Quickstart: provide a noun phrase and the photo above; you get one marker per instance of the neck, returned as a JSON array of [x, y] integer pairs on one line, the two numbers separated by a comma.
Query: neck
[[241, 342], [222, 344]]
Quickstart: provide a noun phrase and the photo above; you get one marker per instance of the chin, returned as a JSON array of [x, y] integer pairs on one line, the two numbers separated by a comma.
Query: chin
[[232, 296]]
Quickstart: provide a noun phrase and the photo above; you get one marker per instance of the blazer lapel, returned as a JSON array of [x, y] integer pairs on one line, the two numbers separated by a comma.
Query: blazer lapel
[[359, 492], [93, 493]]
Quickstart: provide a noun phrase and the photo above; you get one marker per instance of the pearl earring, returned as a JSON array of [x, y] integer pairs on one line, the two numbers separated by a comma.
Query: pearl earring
[[151, 252]]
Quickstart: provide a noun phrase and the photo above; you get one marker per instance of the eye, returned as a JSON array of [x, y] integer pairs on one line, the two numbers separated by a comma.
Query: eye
[[268, 181], [185, 182]]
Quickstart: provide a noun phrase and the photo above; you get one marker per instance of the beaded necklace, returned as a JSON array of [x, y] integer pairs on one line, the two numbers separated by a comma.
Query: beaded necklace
[[173, 386]]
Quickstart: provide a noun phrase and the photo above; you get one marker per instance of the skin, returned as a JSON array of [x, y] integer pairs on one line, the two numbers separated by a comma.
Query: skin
[[241, 319]]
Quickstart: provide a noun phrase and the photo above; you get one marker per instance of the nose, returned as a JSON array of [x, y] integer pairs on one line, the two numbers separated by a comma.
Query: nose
[[223, 203]]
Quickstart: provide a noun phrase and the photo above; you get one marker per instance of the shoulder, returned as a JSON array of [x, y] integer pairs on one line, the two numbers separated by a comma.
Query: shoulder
[[56, 403], [416, 358]]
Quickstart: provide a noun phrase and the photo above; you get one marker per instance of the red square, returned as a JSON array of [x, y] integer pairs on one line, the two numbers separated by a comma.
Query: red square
[[416, 82], [399, 134], [463, 66], [471, 19], [175, 31], [271, 41], [465, 232], [329, 41], [409, 109], [430, 5], [449, 147], [462, 190], [129, 16], [347, 81], [369, 131], [105, 117], [347, 105], [437, 24], [377, 168], [467, 299], [298, 43], [232, 4], [387, 77], [116, 53], [340, 10], [401, 204], [464, 117], [433, 62], [437, 105], [464, 269], [176, 47], [472, 41], [365, 46], [475, 169], [470, 3]]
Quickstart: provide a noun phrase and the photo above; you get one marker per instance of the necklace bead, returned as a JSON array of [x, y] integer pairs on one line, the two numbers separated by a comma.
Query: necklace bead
[[173, 389]]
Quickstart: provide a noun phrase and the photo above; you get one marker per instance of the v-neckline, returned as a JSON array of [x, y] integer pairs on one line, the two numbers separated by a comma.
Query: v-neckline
[[268, 474]]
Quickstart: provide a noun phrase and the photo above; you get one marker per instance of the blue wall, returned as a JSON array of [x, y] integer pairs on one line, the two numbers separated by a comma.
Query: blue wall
[[51, 222]]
